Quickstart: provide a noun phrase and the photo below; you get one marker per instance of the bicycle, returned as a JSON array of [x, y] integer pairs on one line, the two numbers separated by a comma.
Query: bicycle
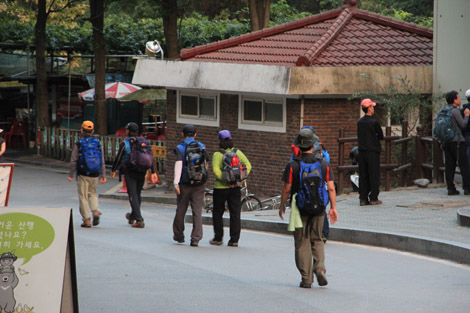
[[250, 202]]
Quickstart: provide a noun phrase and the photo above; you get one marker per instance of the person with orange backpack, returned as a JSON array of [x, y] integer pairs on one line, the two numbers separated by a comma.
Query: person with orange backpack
[[231, 167]]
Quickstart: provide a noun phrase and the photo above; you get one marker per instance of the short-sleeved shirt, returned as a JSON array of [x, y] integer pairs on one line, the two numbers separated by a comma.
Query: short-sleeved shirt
[[291, 173], [180, 156]]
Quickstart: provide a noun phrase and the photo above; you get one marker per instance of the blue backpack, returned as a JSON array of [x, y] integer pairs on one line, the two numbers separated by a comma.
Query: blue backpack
[[90, 157], [139, 153], [444, 130], [312, 197]]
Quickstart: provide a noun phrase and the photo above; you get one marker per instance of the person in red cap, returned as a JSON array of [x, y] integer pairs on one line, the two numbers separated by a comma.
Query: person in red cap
[[87, 162], [369, 134]]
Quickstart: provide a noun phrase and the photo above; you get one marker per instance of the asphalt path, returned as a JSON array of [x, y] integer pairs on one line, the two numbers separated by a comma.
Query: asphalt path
[[121, 269]]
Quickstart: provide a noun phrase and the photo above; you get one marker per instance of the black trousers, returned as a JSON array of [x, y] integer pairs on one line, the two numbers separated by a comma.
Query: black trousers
[[450, 152], [135, 182], [233, 198], [369, 175]]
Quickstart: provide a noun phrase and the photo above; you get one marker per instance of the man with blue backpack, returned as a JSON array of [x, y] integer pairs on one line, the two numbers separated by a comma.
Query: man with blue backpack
[[304, 182], [87, 162], [133, 159], [448, 129], [189, 179]]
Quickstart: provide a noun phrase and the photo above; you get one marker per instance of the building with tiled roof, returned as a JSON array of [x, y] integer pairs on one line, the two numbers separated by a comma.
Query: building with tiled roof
[[265, 85]]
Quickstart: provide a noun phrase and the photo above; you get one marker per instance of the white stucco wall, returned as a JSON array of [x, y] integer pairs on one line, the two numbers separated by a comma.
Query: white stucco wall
[[451, 68]]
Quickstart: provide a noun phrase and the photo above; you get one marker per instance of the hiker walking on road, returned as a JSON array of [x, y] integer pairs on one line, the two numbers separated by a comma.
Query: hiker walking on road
[[309, 208], [455, 150], [133, 160], [87, 162], [369, 134], [190, 177], [230, 167]]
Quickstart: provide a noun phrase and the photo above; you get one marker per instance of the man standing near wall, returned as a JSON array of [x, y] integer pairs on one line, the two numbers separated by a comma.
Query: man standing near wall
[[455, 150], [369, 134]]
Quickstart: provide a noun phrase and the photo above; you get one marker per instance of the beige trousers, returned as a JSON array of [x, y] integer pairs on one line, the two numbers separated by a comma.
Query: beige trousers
[[87, 195], [309, 248]]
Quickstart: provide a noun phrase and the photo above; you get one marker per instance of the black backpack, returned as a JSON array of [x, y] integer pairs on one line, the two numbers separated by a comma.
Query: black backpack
[[444, 130], [233, 171], [312, 197], [195, 163]]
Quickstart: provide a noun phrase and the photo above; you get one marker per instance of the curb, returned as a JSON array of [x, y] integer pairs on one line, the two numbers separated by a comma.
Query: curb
[[463, 217], [448, 250]]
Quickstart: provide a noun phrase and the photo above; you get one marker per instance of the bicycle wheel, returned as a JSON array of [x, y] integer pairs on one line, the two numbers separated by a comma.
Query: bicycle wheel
[[251, 203], [208, 201]]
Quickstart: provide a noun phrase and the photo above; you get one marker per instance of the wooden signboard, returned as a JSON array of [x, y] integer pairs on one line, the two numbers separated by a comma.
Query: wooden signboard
[[37, 261]]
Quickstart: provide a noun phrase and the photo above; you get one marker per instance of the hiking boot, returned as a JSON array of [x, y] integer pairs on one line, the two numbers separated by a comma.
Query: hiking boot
[[96, 217], [305, 285], [139, 224], [216, 242], [321, 278], [453, 192], [363, 202], [129, 219], [232, 244], [194, 243], [86, 223], [375, 202], [178, 240]]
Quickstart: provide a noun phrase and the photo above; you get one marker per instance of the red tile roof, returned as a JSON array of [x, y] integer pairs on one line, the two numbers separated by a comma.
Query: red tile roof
[[342, 37]]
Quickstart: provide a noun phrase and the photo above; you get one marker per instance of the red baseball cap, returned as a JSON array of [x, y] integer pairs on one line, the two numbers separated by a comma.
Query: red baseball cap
[[367, 103]]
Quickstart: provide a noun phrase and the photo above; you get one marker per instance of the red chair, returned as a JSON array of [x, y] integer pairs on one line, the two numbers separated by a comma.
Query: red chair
[[17, 130]]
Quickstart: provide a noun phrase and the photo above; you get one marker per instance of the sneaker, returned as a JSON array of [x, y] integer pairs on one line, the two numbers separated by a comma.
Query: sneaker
[[363, 202], [232, 244], [375, 202], [96, 217], [305, 285], [453, 192], [194, 243], [129, 219], [321, 278], [139, 224], [86, 223], [178, 240], [216, 242]]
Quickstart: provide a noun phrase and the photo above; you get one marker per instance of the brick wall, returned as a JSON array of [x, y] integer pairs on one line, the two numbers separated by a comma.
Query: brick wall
[[268, 152]]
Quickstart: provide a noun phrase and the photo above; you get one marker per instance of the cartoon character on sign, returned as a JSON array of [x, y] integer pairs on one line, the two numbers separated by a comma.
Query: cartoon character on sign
[[8, 282]]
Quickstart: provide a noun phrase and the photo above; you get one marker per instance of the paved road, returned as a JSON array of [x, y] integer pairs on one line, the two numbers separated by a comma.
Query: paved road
[[121, 269]]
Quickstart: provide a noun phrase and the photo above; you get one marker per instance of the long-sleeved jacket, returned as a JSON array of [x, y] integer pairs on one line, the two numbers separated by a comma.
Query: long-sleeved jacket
[[369, 134]]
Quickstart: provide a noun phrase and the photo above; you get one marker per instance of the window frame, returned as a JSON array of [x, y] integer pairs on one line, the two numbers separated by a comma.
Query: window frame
[[198, 119], [278, 127]]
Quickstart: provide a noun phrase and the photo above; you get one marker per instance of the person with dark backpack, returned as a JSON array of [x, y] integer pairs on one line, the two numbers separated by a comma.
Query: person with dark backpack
[[87, 162], [303, 180], [454, 148], [133, 160], [231, 167], [190, 175]]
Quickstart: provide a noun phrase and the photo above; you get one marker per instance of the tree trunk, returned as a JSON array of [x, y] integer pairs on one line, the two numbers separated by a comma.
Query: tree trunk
[[41, 71], [170, 27], [97, 20], [259, 14]]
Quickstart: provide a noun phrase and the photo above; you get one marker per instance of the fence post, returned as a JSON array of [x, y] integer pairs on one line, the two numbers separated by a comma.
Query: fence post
[[388, 152], [340, 160], [404, 152], [419, 150], [437, 161]]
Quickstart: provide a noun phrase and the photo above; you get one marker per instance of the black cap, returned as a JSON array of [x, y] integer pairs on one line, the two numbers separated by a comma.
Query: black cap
[[132, 127], [189, 130]]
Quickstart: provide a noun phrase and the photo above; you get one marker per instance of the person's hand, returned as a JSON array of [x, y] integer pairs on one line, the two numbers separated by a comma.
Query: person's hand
[[102, 180], [177, 189], [70, 178], [153, 178], [113, 174], [282, 210], [466, 112], [333, 215]]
